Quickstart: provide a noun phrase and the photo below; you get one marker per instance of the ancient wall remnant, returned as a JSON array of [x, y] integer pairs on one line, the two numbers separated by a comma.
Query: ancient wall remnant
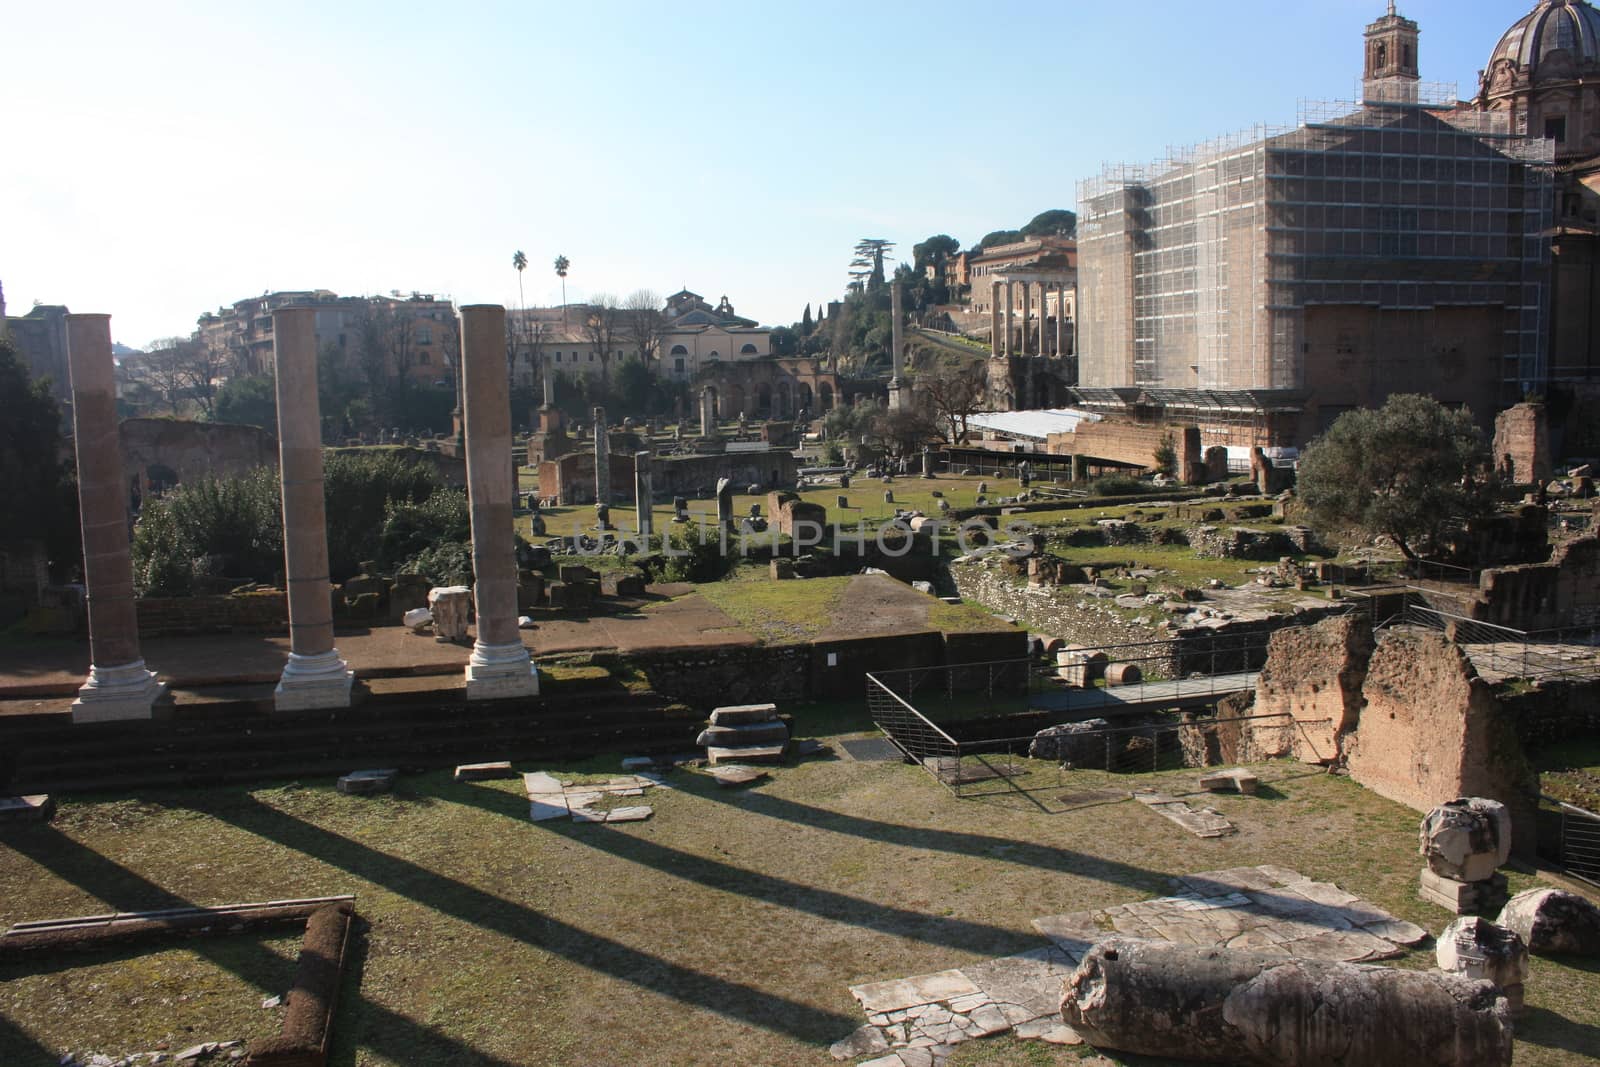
[[1314, 674], [1430, 730], [160, 453], [1541, 596], [1522, 444]]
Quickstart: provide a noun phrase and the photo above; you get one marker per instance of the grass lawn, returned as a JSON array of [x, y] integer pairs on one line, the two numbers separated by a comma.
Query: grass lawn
[[773, 611], [723, 931]]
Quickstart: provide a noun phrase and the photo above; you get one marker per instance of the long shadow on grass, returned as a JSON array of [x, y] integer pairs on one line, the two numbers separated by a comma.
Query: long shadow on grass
[[472, 905], [18, 1047], [956, 842], [359, 1022], [715, 874]]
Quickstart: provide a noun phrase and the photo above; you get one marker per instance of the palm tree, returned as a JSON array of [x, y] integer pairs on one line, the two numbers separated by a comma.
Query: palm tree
[[520, 261], [562, 263]]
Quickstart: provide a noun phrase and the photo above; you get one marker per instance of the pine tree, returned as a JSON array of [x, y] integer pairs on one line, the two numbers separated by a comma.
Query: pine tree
[[805, 322]]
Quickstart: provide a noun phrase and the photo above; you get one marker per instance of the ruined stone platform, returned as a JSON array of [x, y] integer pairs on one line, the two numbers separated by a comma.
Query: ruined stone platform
[[917, 1021]]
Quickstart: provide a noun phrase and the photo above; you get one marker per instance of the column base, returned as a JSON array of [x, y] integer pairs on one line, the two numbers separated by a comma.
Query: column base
[[311, 682], [499, 672], [112, 694]]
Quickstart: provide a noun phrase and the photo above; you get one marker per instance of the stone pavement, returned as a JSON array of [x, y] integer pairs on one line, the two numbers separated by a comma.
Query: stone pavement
[[916, 1022], [551, 798]]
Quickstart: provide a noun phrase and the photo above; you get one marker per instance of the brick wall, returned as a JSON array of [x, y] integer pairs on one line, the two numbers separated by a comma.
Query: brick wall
[[1521, 444], [259, 612]]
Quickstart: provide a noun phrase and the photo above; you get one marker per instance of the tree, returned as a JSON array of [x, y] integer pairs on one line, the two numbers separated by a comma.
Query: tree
[[805, 322], [519, 261], [999, 237], [601, 325], [1056, 222], [784, 341], [953, 397], [32, 474], [165, 369], [933, 252], [866, 268], [1412, 470], [251, 401], [643, 322], [562, 263]]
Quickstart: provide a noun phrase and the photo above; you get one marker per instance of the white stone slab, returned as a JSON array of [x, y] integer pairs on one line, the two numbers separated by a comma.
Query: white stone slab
[[543, 808], [901, 993]]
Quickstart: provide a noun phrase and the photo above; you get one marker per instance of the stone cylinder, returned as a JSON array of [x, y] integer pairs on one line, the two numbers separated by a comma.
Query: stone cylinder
[[643, 497], [315, 676], [499, 666], [602, 458], [118, 686], [1220, 1006]]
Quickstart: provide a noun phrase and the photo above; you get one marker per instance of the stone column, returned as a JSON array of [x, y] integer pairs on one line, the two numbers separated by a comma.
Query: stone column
[[549, 385], [994, 318], [602, 459], [315, 676], [1027, 315], [1009, 326], [708, 413], [118, 686], [643, 496], [899, 394], [1061, 318], [499, 666]]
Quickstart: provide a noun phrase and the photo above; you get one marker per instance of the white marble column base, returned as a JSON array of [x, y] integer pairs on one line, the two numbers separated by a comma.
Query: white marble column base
[[496, 672], [115, 693], [310, 682]]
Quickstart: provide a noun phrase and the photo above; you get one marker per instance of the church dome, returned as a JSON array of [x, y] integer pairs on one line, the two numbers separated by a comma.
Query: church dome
[[1558, 38]]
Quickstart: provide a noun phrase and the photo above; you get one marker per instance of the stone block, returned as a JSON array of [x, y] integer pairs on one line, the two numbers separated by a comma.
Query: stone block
[[478, 772], [450, 605], [729, 776], [1478, 948], [1462, 897], [32, 807], [1466, 839], [752, 753], [363, 782], [740, 714], [1553, 922], [781, 569], [753, 733], [1236, 779], [530, 590], [578, 573]]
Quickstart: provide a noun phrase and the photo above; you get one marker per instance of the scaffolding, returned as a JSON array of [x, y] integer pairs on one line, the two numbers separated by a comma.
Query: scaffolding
[[1199, 270]]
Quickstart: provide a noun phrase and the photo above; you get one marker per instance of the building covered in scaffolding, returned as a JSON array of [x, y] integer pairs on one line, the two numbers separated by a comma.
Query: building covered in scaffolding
[[1279, 278]]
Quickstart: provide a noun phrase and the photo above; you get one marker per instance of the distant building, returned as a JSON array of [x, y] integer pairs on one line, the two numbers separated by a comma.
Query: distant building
[[696, 336], [1397, 245], [40, 338], [1038, 278], [415, 335]]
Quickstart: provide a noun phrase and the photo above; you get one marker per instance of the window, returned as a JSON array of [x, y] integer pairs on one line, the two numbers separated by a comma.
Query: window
[[677, 364], [558, 357], [1555, 129], [748, 350], [424, 335]]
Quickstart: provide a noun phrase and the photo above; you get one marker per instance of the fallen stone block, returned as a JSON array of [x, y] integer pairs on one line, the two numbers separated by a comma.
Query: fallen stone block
[[730, 775], [638, 763], [1202, 822], [1466, 839], [546, 807], [1478, 948], [417, 619], [478, 772], [33, 807], [1553, 922], [540, 783], [1236, 780], [631, 814], [363, 782], [755, 753], [740, 714], [754, 733], [1218, 1006], [866, 1041]]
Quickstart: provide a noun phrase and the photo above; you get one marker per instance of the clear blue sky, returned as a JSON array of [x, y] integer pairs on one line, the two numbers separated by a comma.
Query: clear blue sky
[[161, 159]]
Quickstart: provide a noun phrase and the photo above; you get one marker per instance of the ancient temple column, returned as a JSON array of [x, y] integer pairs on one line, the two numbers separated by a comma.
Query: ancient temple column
[[708, 413], [994, 318], [1061, 318], [1009, 327], [643, 496], [602, 459], [315, 676], [499, 666], [549, 387], [118, 686], [1027, 315]]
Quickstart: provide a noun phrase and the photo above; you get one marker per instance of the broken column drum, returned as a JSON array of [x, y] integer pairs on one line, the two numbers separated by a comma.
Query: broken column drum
[[315, 676], [499, 666], [119, 686], [1465, 841], [1222, 1006]]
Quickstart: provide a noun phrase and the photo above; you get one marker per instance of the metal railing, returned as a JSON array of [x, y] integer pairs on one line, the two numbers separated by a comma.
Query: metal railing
[[912, 732], [1514, 654], [1580, 842]]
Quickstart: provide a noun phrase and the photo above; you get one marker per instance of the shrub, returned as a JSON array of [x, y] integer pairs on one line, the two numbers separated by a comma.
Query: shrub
[[428, 537], [1118, 485], [224, 528], [359, 490]]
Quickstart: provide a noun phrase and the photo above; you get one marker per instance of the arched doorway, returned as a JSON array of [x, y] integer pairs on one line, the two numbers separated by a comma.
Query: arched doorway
[[764, 401], [825, 391]]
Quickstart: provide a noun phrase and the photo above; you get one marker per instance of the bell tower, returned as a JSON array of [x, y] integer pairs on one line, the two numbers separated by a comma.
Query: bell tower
[[1390, 75]]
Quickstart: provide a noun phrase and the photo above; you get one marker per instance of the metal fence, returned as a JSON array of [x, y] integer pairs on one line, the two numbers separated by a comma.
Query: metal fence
[[1580, 843], [1501, 651]]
